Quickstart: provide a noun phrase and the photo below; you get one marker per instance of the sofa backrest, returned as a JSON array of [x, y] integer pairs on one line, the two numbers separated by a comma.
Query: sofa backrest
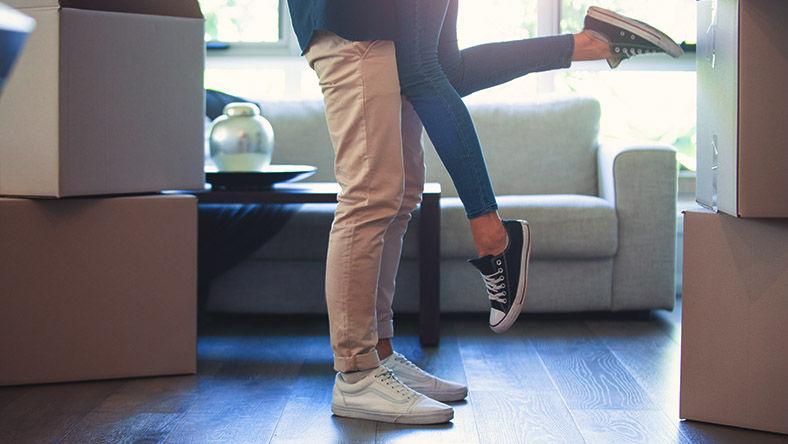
[[544, 147], [541, 147]]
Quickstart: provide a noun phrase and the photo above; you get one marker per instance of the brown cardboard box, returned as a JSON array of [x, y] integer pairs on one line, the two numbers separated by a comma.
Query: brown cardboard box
[[734, 352], [107, 98], [742, 107], [97, 288]]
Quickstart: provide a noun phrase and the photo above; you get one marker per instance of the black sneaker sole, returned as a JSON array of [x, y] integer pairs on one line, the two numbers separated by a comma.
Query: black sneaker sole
[[647, 32], [519, 300]]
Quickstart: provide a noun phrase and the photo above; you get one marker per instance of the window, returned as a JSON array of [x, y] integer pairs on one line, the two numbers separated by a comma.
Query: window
[[656, 102], [247, 27], [649, 97]]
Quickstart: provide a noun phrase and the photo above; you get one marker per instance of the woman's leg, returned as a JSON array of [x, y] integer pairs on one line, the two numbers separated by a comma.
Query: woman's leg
[[440, 108], [484, 66], [503, 247]]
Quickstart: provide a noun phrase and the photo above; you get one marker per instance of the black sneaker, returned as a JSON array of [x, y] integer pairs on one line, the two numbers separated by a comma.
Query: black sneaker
[[506, 275], [628, 37]]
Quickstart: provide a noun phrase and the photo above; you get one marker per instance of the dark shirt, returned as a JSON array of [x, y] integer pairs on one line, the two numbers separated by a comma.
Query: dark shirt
[[356, 20]]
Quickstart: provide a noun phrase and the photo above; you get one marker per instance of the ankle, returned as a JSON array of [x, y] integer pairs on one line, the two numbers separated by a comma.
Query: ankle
[[384, 348], [489, 234], [589, 46]]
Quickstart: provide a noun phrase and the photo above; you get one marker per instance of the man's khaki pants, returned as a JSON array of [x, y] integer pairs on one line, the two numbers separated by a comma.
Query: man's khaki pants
[[380, 167]]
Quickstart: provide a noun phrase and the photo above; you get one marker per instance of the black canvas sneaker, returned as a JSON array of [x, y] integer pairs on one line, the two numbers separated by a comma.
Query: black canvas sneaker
[[506, 275], [628, 37]]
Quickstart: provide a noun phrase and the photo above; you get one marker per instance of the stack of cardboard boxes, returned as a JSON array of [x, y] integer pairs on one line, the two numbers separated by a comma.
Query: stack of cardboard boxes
[[104, 109], [734, 362]]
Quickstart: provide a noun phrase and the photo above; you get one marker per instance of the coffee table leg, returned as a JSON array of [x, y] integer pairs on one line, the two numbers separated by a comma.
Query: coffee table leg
[[429, 270]]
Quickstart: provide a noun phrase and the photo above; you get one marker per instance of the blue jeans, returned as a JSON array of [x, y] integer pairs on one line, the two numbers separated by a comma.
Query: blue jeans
[[434, 75]]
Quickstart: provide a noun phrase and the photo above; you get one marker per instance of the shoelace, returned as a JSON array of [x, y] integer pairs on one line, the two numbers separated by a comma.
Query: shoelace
[[390, 379], [495, 285], [399, 358]]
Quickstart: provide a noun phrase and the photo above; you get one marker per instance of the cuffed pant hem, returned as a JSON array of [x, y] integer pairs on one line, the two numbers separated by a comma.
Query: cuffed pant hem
[[357, 363], [386, 329]]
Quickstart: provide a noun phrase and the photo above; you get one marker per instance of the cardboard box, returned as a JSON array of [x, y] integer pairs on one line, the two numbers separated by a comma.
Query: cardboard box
[[107, 98], [97, 288], [742, 107], [734, 352]]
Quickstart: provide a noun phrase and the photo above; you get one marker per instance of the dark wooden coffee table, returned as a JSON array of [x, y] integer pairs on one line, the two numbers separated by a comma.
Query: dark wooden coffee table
[[319, 192]]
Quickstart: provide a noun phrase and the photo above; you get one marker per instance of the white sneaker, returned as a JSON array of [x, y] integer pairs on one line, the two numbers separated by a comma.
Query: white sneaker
[[380, 396], [423, 382]]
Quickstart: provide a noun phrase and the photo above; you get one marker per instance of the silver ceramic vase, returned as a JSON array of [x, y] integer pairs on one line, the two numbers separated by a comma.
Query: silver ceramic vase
[[241, 139]]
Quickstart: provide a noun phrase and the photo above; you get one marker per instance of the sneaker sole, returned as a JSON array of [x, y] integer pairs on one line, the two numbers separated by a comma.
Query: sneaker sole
[[647, 32], [422, 418], [517, 307], [446, 395]]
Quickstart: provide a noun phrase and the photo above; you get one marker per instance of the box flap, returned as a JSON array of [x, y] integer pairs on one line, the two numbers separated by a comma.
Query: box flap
[[174, 8]]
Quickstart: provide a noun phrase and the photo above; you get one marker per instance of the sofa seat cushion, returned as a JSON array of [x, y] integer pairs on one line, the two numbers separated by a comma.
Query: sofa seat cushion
[[562, 225]]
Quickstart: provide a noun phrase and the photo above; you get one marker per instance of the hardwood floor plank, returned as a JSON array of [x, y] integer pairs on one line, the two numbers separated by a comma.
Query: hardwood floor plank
[[514, 398], [510, 417], [626, 427], [169, 394], [9, 394], [121, 428], [585, 371], [496, 362], [218, 428], [253, 373], [46, 413], [650, 356]]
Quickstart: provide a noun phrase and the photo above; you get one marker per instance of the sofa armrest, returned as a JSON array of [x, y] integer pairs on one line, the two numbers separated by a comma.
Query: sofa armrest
[[641, 182]]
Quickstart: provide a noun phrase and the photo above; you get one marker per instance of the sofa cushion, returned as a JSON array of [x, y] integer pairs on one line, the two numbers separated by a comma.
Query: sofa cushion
[[562, 226]]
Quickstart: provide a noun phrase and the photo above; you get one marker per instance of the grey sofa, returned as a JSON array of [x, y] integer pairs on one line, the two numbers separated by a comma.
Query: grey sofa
[[603, 217]]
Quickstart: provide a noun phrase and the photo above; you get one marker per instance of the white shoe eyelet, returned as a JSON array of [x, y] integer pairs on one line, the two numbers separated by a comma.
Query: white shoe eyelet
[[623, 33]]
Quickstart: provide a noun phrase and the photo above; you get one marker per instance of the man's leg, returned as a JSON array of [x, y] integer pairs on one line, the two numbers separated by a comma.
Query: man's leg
[[406, 371], [414, 171], [361, 94]]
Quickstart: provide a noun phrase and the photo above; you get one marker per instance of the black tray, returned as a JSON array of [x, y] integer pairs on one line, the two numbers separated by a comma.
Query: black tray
[[257, 180]]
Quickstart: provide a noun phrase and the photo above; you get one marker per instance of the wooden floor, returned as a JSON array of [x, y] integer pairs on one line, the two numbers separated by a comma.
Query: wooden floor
[[559, 379]]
